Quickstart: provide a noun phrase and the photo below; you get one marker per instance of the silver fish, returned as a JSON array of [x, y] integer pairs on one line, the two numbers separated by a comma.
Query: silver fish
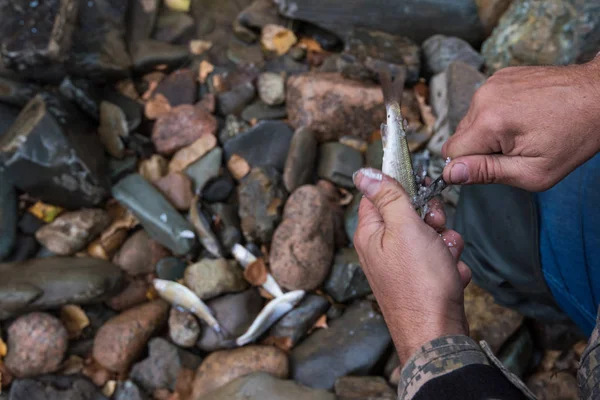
[[244, 257], [205, 234]]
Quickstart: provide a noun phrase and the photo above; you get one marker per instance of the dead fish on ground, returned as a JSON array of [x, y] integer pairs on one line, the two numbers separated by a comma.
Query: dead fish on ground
[[202, 226], [244, 257], [181, 296]]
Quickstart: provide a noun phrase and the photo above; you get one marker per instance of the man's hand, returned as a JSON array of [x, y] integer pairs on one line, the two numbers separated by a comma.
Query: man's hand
[[528, 127], [412, 268]]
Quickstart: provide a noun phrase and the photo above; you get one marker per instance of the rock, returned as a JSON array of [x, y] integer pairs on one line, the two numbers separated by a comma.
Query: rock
[[259, 111], [300, 162], [338, 162], [210, 278], [228, 231], [364, 387], [352, 345], [158, 218], [174, 27], [333, 106], [219, 189], [179, 87], [222, 367], [8, 217], [302, 247], [490, 12], [374, 155], [55, 154], [188, 155], [83, 94], [170, 268], [122, 339], [297, 53], [113, 126], [56, 387], [243, 33], [553, 385], [205, 169], [262, 385], [149, 53], [261, 198], [337, 212], [72, 231], [487, 320], [421, 19], [177, 188], [29, 223], [139, 254], [517, 352], [259, 14], [182, 126], [271, 88], [160, 369], [277, 39], [133, 293], [15, 92], [367, 52], [286, 65], [242, 53], [128, 390], [235, 313], [25, 247], [153, 168], [295, 324], [235, 100], [184, 329], [142, 17], [233, 127], [52, 282], [440, 51], [37, 343], [266, 143], [347, 280]]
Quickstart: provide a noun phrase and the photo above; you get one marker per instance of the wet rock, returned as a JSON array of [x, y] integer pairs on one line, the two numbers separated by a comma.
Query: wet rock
[[266, 143], [261, 385], [487, 320], [364, 387], [157, 216], [241, 53], [300, 162], [334, 198], [25, 247], [295, 324], [347, 280], [261, 198], [142, 17], [516, 354], [553, 385], [141, 145], [174, 26], [55, 387], [70, 172], [337, 163], [153, 168], [179, 87], [259, 111], [170, 268], [205, 169], [233, 127], [72, 231], [374, 155], [123, 338], [235, 100], [259, 14], [210, 278], [8, 217], [37, 343], [217, 190], [182, 126], [243, 33], [440, 51], [188, 155], [113, 126], [82, 93], [29, 224], [490, 12], [184, 329], [133, 293], [271, 88], [368, 52], [129, 391], [149, 53], [333, 106], [351, 345], [52, 282], [160, 369], [139, 254], [228, 230], [14, 92], [297, 53], [222, 367], [286, 65], [302, 248], [177, 188]]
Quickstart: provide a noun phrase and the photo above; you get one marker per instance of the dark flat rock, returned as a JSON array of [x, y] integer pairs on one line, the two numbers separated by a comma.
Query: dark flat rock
[[297, 322], [8, 217], [55, 387]]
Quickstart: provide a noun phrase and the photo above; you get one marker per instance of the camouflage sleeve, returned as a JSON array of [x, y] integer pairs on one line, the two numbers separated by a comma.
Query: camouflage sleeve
[[588, 376], [445, 355]]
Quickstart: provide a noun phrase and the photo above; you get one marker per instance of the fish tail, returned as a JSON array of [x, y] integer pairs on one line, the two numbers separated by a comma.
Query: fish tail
[[392, 87]]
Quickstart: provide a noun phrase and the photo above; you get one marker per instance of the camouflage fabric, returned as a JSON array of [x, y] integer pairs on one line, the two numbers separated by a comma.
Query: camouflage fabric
[[588, 376]]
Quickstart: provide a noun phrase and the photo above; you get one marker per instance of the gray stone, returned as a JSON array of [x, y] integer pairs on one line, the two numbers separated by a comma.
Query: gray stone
[[113, 127], [173, 26], [440, 51], [170, 268], [228, 231], [29, 224], [261, 386], [235, 100], [295, 324], [118, 169], [51, 152], [364, 387], [243, 33], [47, 283], [25, 248], [132, 108], [374, 155], [82, 93], [260, 111], [241, 53], [160, 369], [149, 53], [55, 387], [259, 14], [352, 345], [301, 159], [8, 217], [265, 144], [179, 87], [142, 17], [184, 328], [285, 64], [16, 92], [271, 88], [128, 390], [218, 189], [347, 280], [205, 169], [210, 278], [516, 353], [233, 127], [337, 163], [235, 313], [157, 216]]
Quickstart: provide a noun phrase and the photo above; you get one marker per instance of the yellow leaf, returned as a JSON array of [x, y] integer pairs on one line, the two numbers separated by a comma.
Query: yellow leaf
[[74, 319], [45, 212], [179, 5]]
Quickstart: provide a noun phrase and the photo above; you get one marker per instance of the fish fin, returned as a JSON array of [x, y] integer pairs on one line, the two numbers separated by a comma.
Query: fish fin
[[383, 134], [392, 87]]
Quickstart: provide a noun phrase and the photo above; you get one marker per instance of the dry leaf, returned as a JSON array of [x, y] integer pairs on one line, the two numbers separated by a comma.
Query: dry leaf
[[321, 323], [191, 153], [197, 47], [426, 112], [310, 44], [238, 167], [282, 343], [155, 107], [3, 349], [178, 5], [109, 388], [205, 69], [264, 294], [277, 39], [45, 212], [72, 365], [346, 197], [74, 319], [256, 273]]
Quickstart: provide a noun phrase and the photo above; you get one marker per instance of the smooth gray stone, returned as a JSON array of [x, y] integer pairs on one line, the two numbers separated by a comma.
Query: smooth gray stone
[[8, 115], [25, 247], [205, 169], [55, 387], [295, 324], [440, 51], [8, 217], [241, 53], [82, 93], [259, 14], [118, 169], [347, 280], [142, 18], [301, 159], [338, 162], [374, 155], [157, 216], [149, 53], [235, 100], [47, 283], [287, 64], [129, 391], [29, 224], [173, 26], [16, 92], [260, 111], [233, 127], [351, 217], [218, 189], [170, 268], [228, 231], [133, 110], [352, 345]]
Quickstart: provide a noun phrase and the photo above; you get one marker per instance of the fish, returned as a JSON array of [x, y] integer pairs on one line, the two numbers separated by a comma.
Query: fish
[[270, 314], [181, 296], [202, 226], [427, 193], [244, 257]]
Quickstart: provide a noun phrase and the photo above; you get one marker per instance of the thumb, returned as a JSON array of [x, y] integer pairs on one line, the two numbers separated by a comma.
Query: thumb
[[495, 168]]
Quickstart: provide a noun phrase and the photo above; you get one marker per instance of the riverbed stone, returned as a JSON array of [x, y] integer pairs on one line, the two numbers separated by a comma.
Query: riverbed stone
[[347, 280], [142, 17], [228, 231], [440, 51], [364, 387], [184, 328], [177, 188], [133, 293], [56, 387], [338, 162], [139, 254], [127, 390], [149, 53], [8, 217], [174, 26], [113, 127], [210, 278], [234, 100], [301, 159], [218, 189], [271, 88], [179, 87], [188, 155], [182, 126], [205, 168], [170, 268], [260, 111], [295, 324]]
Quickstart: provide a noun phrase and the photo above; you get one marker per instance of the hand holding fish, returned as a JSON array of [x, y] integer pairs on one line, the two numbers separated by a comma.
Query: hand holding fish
[[412, 264], [528, 127]]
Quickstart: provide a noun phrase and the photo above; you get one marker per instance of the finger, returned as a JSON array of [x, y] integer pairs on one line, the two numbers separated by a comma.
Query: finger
[[369, 222], [495, 168], [436, 216], [465, 273], [476, 139], [454, 242]]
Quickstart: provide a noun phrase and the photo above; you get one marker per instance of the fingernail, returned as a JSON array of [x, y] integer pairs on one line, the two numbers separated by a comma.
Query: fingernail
[[368, 181], [459, 173]]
